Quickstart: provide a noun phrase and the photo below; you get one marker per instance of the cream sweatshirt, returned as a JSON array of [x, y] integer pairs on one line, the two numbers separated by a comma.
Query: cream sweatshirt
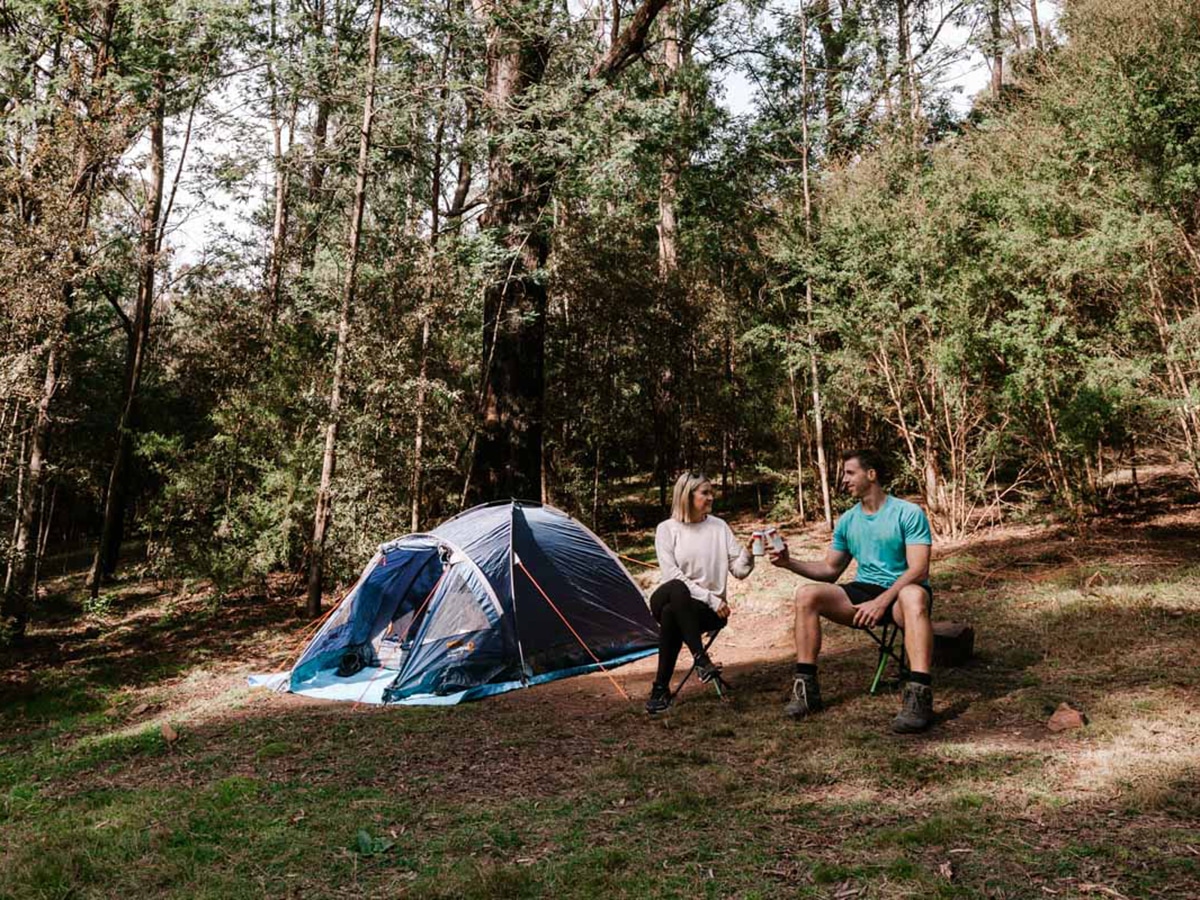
[[702, 555]]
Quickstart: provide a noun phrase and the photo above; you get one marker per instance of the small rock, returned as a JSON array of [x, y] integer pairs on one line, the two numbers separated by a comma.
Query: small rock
[[1065, 718], [170, 735]]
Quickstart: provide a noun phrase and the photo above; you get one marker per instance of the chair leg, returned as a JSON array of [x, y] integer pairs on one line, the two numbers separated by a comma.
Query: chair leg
[[887, 644], [711, 639], [883, 661]]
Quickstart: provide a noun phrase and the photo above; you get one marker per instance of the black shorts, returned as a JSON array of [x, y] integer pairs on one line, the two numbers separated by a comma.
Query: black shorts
[[860, 592]]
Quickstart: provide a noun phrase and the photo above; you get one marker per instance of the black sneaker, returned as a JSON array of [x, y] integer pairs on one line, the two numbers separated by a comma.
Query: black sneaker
[[806, 697], [660, 699], [710, 673], [916, 710]]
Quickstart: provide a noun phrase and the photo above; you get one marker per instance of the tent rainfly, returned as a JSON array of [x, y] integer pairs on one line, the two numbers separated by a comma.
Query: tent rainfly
[[502, 596]]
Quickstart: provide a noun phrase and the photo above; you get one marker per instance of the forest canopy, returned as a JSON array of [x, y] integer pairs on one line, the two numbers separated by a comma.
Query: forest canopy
[[460, 252]]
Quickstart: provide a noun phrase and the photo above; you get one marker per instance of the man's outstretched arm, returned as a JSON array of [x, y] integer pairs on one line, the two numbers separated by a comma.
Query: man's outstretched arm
[[829, 569]]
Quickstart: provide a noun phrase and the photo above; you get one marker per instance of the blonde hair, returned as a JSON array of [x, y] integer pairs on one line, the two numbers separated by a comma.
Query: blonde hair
[[681, 499]]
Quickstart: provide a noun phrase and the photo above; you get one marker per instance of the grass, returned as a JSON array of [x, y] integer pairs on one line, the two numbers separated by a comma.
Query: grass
[[566, 791]]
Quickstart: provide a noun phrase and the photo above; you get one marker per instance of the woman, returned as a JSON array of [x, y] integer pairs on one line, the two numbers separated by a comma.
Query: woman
[[696, 554]]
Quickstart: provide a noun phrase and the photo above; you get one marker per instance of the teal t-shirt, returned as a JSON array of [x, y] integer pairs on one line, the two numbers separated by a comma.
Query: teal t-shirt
[[877, 541]]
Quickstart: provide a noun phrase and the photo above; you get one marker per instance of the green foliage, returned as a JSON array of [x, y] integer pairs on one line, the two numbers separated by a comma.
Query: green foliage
[[1004, 303], [366, 845]]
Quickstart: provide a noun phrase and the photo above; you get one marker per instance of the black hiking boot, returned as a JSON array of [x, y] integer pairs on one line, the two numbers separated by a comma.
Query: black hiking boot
[[916, 711], [806, 697], [660, 699], [710, 673]]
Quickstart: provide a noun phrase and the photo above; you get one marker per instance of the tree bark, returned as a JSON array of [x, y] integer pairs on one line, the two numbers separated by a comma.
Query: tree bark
[[435, 208], [910, 89], [324, 506], [318, 140], [674, 58], [997, 48], [508, 452], [108, 547], [507, 456], [280, 222], [1037, 26], [18, 599], [799, 444], [833, 49], [818, 418]]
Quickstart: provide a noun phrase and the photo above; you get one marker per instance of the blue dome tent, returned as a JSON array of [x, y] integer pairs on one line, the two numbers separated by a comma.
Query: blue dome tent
[[502, 596]]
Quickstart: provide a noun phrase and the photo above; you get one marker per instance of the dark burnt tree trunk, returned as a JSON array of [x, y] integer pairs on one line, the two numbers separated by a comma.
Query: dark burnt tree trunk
[[508, 452]]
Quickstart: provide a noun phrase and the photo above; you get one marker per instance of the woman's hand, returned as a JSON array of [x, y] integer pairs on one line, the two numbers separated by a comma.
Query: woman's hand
[[723, 610]]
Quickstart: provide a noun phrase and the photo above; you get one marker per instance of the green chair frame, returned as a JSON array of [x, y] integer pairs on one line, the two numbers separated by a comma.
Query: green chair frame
[[887, 652]]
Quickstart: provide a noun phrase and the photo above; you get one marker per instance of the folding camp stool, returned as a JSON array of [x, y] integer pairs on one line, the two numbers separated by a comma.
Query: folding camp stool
[[887, 651], [712, 636]]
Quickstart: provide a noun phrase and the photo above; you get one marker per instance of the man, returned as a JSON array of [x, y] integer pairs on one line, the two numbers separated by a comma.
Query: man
[[891, 541]]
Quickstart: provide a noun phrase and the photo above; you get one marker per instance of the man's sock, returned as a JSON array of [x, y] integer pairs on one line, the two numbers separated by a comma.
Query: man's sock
[[921, 678], [810, 669]]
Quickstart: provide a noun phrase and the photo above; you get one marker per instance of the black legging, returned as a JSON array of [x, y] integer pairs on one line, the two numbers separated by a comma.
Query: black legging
[[683, 619]]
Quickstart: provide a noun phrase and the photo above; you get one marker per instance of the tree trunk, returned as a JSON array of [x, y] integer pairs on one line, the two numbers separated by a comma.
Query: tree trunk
[[666, 432], [419, 431], [18, 599], [507, 457], [108, 547], [508, 452], [668, 262], [799, 444], [668, 251], [318, 140], [1037, 26], [14, 615], [11, 560], [6, 459], [818, 419], [903, 53], [435, 208], [997, 48], [1187, 414], [910, 87], [833, 49], [674, 57], [324, 506], [280, 223]]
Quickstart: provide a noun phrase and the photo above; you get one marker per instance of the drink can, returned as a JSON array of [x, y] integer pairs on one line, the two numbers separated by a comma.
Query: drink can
[[756, 543], [774, 539]]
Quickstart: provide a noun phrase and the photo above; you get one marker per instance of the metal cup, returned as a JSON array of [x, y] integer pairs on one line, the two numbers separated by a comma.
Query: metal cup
[[757, 543]]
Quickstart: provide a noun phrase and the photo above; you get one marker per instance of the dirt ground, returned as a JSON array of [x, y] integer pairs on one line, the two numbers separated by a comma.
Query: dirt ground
[[134, 751]]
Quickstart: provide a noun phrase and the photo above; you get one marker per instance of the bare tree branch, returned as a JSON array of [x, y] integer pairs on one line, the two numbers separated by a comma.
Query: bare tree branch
[[631, 43]]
